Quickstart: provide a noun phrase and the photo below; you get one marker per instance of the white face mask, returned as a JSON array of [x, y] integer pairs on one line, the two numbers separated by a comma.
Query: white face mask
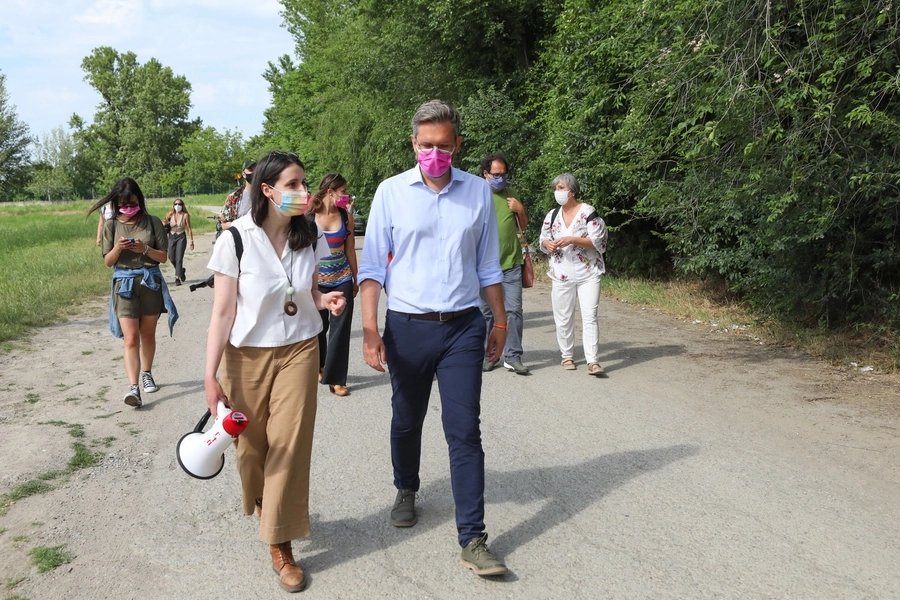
[[178, 208], [562, 196]]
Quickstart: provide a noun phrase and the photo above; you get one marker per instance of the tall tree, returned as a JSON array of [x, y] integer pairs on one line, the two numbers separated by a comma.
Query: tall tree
[[142, 119], [54, 167], [14, 141], [210, 157], [365, 65]]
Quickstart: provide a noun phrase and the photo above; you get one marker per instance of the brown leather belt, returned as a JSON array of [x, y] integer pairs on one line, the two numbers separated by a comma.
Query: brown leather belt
[[435, 316]]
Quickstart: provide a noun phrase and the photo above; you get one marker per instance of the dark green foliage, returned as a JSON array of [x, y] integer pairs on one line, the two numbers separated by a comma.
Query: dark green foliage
[[757, 141], [750, 142], [14, 141]]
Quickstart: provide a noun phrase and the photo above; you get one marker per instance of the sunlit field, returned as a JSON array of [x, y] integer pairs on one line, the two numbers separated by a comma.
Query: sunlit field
[[50, 263]]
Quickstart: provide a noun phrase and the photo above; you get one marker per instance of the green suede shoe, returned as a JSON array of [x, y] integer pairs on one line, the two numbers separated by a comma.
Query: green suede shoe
[[477, 557], [517, 366], [404, 512]]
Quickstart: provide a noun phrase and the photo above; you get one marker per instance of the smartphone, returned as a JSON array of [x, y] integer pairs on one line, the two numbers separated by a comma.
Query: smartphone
[[129, 240]]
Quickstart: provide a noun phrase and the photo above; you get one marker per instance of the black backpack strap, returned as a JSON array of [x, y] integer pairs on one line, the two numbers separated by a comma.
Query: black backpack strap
[[238, 245], [553, 218], [592, 216], [315, 233]]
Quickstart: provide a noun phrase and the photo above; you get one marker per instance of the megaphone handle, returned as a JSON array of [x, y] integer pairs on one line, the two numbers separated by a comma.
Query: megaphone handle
[[202, 423]]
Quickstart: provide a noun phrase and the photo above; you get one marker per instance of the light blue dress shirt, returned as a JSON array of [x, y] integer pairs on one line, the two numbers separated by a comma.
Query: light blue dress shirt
[[445, 244]]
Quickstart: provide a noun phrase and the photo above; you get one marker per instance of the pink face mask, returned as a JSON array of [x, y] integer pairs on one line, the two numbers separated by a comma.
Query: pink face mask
[[434, 162], [343, 201], [130, 211]]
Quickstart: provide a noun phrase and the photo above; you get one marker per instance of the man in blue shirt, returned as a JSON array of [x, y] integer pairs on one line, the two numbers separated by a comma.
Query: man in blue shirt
[[437, 224]]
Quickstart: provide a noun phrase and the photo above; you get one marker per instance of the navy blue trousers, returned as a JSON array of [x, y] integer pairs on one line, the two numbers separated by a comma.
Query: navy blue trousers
[[416, 351]]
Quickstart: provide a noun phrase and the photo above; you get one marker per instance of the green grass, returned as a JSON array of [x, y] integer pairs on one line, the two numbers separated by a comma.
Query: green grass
[[83, 458], [51, 475], [23, 490], [50, 262], [47, 558], [76, 430], [106, 442], [31, 398], [11, 583]]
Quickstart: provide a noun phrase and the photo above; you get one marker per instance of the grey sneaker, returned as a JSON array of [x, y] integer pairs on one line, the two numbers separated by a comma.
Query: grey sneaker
[[147, 382], [404, 512], [488, 365], [477, 557], [133, 397], [517, 366]]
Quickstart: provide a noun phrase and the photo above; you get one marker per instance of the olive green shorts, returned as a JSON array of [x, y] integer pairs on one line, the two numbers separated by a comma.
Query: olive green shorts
[[144, 302]]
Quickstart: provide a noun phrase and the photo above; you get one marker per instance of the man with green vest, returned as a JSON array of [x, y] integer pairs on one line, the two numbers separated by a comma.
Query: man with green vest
[[495, 170]]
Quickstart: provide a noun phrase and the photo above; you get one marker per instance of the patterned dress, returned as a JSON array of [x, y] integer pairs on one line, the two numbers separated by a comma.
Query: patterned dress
[[335, 269]]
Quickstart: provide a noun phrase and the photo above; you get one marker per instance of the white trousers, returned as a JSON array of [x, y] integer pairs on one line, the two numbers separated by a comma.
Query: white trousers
[[563, 295]]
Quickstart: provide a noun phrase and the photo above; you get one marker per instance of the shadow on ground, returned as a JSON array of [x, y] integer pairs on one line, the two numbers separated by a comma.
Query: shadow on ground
[[566, 491]]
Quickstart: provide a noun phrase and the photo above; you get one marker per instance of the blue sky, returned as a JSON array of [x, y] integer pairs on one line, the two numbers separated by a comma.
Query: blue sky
[[222, 47]]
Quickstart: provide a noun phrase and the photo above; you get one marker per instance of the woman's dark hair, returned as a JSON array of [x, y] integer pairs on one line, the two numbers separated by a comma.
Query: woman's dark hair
[[125, 189], [268, 170], [332, 181]]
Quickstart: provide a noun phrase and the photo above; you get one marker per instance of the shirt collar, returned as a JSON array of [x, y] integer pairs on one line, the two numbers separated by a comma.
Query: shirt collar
[[414, 176]]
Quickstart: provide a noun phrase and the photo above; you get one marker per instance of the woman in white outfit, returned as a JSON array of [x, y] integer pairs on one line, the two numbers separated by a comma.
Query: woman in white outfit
[[575, 238]]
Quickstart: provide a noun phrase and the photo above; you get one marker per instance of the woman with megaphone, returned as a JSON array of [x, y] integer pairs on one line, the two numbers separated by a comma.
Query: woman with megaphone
[[263, 335]]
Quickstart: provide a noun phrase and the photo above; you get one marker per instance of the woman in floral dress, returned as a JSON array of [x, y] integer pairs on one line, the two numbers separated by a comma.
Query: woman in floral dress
[[575, 238]]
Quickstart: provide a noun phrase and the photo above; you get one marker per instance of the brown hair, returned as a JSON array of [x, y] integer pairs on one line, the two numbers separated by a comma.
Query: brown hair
[[332, 181], [171, 212]]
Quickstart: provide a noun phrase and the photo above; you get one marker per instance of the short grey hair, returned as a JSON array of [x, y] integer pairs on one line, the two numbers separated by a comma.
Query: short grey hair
[[436, 111], [570, 181]]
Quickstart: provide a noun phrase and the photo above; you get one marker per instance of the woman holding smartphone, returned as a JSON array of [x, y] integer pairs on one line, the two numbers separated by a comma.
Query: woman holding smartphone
[[134, 243]]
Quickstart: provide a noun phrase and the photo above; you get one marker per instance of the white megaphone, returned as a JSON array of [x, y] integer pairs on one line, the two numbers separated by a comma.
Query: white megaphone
[[202, 455]]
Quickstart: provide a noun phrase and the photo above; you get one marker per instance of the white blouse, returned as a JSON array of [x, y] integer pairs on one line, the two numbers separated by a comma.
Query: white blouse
[[574, 263], [260, 320]]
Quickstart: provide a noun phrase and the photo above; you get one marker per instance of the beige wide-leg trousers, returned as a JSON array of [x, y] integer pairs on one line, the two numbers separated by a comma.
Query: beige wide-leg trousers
[[276, 389]]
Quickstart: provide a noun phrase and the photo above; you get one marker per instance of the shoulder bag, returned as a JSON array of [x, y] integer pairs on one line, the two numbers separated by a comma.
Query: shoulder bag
[[527, 266]]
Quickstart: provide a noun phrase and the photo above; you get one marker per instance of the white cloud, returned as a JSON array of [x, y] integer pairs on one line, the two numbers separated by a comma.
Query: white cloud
[[116, 13]]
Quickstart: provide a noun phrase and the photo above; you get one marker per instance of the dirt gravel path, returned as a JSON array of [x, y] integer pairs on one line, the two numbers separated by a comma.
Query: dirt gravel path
[[706, 465]]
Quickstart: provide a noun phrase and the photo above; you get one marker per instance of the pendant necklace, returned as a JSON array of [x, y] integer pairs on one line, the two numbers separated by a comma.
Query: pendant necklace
[[289, 307]]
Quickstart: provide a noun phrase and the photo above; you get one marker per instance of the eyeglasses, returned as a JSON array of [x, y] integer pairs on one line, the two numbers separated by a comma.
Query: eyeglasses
[[498, 174], [178, 204], [445, 148]]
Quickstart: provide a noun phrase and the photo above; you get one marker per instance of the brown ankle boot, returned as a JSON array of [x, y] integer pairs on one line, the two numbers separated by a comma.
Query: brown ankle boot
[[292, 578]]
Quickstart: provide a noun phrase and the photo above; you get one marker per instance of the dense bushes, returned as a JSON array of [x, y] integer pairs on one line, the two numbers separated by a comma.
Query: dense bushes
[[750, 141]]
